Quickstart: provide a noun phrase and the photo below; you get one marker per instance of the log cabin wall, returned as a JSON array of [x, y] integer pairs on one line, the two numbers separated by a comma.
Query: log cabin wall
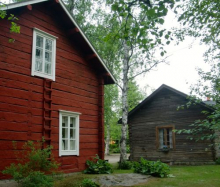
[[161, 110], [78, 88]]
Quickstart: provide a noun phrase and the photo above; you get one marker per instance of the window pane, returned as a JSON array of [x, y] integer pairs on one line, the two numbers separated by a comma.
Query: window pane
[[64, 132], [39, 41], [38, 65], [47, 68], [161, 142], [171, 139], [72, 133], [73, 122], [72, 145], [65, 145], [48, 56], [64, 121], [39, 53], [48, 45]]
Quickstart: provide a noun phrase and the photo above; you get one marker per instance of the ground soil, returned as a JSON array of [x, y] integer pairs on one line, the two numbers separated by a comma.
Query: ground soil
[[129, 179]]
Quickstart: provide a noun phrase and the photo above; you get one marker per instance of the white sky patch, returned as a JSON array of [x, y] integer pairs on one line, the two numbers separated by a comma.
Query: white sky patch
[[183, 60]]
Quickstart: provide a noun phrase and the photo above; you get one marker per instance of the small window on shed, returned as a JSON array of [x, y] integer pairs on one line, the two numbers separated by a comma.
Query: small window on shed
[[165, 137]]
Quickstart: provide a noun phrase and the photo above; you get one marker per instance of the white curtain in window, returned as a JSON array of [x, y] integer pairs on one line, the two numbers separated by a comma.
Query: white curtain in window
[[161, 138], [171, 138]]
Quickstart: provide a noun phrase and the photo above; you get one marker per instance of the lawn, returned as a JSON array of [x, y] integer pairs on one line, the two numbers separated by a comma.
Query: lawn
[[189, 176], [183, 176]]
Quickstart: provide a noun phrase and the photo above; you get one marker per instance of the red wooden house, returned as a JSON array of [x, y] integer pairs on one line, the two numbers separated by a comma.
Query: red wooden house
[[51, 85]]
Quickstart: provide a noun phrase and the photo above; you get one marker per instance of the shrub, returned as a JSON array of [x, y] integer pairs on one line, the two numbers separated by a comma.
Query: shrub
[[89, 183], [98, 166], [217, 161], [37, 179], [125, 165], [157, 169], [33, 164]]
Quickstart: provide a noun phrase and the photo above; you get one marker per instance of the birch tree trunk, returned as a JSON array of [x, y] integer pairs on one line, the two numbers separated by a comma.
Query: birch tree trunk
[[123, 151], [107, 141]]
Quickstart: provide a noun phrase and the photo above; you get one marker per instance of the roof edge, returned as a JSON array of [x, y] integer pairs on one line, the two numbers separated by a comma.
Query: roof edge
[[154, 93]]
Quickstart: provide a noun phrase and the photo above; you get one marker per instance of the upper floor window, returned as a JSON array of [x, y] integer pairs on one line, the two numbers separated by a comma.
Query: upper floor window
[[43, 54], [68, 133], [165, 137]]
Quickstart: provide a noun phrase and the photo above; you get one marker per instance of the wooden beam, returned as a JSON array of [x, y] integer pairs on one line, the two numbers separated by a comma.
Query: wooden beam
[[89, 57], [29, 7], [73, 31]]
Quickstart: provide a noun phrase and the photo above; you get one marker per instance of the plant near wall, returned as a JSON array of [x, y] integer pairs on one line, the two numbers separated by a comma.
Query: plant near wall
[[125, 165], [14, 28], [33, 165], [98, 166], [146, 167], [89, 183]]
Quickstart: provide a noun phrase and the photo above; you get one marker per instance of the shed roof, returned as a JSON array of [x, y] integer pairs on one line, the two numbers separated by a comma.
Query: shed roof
[[150, 97], [108, 77]]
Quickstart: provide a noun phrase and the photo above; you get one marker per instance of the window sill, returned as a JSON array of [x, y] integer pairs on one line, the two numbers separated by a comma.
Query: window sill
[[68, 153], [42, 75], [164, 150]]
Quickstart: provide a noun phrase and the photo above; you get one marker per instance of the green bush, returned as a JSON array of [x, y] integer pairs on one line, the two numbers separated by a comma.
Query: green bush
[[33, 165], [98, 166], [89, 183], [217, 161], [157, 169], [37, 179], [125, 165]]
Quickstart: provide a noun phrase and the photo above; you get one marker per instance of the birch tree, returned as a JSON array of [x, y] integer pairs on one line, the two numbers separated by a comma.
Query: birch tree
[[140, 37]]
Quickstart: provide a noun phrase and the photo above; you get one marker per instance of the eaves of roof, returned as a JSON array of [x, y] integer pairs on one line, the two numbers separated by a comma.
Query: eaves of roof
[[163, 86]]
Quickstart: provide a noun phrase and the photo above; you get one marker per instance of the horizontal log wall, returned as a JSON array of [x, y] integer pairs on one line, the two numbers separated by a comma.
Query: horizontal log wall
[[21, 95], [161, 110]]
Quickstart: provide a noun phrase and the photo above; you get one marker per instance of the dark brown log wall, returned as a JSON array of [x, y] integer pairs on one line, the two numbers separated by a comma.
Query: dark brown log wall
[[161, 110], [78, 88]]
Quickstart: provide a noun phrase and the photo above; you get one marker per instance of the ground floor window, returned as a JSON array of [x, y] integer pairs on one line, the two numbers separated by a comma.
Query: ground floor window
[[68, 133], [165, 137]]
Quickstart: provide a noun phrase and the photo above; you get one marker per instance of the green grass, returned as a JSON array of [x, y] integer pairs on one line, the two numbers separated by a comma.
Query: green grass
[[184, 176], [188, 176]]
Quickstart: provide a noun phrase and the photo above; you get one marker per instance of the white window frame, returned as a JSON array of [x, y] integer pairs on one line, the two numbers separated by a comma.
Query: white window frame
[[53, 61], [76, 116]]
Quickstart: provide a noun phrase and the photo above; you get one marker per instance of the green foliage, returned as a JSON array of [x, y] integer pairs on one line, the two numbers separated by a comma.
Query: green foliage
[[217, 161], [135, 95], [37, 179], [125, 165], [200, 19], [98, 166], [157, 169], [14, 27], [33, 164], [207, 86], [89, 183]]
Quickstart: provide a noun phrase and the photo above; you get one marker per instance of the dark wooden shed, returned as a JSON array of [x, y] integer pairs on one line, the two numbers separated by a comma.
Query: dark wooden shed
[[51, 85], [151, 126]]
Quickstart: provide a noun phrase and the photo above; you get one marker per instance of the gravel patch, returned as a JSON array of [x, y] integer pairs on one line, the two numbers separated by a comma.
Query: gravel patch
[[121, 179]]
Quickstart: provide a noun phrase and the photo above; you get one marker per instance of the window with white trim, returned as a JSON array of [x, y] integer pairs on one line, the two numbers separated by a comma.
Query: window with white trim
[[43, 54], [68, 133]]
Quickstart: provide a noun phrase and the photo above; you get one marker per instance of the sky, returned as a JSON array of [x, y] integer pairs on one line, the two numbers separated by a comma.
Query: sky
[[183, 60], [181, 72]]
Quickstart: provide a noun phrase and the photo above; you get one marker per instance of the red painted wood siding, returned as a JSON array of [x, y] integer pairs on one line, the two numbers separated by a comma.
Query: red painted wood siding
[[77, 88]]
